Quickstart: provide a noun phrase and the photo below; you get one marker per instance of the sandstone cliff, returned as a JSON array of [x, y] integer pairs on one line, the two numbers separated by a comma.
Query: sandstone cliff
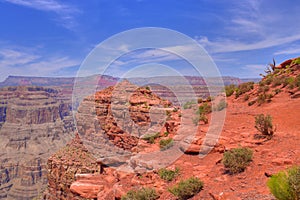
[[35, 122]]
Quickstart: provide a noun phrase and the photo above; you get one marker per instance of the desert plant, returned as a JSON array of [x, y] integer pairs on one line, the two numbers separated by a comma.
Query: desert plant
[[297, 81], [246, 97], [250, 103], [229, 90], [168, 175], [243, 88], [285, 185], [201, 117], [296, 61], [221, 105], [200, 100], [165, 143], [264, 125], [277, 81], [262, 98], [204, 109], [236, 160], [277, 91], [263, 89], [288, 81], [189, 104], [141, 194], [187, 188], [150, 138]]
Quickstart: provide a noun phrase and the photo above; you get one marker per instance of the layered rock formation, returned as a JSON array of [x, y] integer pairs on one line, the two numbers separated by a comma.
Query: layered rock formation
[[112, 121], [35, 122]]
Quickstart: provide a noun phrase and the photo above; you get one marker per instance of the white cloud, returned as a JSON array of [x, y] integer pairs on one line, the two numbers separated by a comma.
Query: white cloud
[[252, 70], [288, 51], [26, 62], [64, 11], [230, 45], [253, 25]]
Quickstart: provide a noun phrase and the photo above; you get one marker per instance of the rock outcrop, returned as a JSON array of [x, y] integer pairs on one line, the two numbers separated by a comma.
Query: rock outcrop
[[35, 122]]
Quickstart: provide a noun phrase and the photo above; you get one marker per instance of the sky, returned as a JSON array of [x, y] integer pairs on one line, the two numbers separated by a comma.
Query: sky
[[54, 37]]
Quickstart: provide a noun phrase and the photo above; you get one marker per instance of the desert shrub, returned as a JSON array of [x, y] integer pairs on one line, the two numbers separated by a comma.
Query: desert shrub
[[150, 138], [297, 81], [168, 175], [189, 104], [285, 185], [201, 117], [264, 125], [263, 89], [221, 105], [261, 83], [288, 81], [243, 88], [262, 98], [236, 160], [187, 188], [141, 194], [147, 88], [229, 90], [246, 97], [200, 100], [210, 98], [277, 91], [204, 109], [277, 81], [296, 61], [165, 143], [268, 80], [250, 103]]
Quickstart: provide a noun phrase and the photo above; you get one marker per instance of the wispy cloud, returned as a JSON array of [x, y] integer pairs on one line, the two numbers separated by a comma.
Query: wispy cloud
[[66, 13], [230, 45], [253, 25], [288, 51], [25, 61], [254, 69]]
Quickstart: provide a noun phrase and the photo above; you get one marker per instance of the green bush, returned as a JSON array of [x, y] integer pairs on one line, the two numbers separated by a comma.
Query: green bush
[[200, 117], [288, 81], [236, 160], [296, 61], [297, 81], [221, 105], [285, 185], [229, 90], [187, 189], [264, 125], [277, 81], [142, 194], [268, 80], [189, 104], [250, 103], [243, 88], [262, 98], [168, 175], [165, 143], [204, 109], [277, 91], [246, 97], [150, 138], [263, 89]]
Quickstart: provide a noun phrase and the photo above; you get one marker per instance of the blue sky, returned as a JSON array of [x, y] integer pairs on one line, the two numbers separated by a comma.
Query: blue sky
[[53, 37]]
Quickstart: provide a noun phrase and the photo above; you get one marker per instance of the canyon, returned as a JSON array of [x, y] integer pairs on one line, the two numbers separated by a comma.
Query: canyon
[[115, 145]]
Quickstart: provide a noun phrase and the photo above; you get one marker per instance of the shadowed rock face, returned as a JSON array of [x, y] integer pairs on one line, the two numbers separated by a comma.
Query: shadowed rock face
[[119, 115], [34, 123]]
